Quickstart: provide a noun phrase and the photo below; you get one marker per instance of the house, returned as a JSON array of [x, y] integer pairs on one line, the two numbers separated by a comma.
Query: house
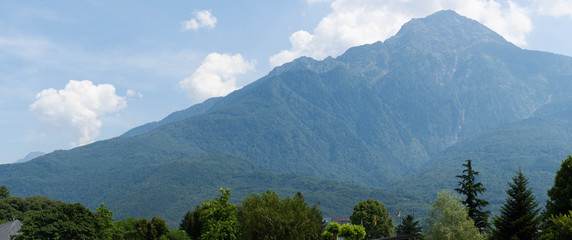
[[9, 228]]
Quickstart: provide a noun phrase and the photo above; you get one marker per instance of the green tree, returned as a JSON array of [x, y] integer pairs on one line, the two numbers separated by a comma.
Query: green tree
[[470, 189], [66, 221], [18, 208], [408, 226], [218, 218], [266, 216], [104, 222], [373, 216], [448, 219], [560, 227], [143, 229], [353, 232], [560, 194], [191, 223], [175, 235], [332, 231], [519, 214], [4, 192]]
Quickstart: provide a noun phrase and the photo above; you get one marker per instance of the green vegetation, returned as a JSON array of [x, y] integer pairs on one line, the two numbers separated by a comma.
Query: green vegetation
[[218, 218], [448, 219], [191, 223], [168, 189], [266, 216], [470, 189], [18, 208], [408, 226], [519, 214], [560, 227], [352, 232], [373, 216], [331, 232], [67, 221], [560, 194]]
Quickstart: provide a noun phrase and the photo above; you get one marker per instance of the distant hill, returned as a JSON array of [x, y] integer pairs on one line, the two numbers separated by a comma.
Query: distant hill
[[399, 115], [171, 188], [30, 156]]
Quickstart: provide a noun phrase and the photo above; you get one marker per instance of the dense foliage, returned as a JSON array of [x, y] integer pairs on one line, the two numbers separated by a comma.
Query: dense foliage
[[407, 226], [560, 227], [168, 188], [218, 218], [66, 221], [374, 217], [470, 188], [18, 208], [266, 216], [560, 194], [352, 232], [519, 217], [191, 223], [448, 219], [331, 232]]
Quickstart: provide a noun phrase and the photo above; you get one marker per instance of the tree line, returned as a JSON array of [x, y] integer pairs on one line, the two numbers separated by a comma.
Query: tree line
[[268, 216], [520, 216]]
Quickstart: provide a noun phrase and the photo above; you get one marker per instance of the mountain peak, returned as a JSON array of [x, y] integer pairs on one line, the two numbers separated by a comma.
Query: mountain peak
[[445, 27]]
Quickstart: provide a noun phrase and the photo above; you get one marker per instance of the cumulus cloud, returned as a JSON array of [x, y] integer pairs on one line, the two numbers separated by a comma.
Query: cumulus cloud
[[216, 76], [75, 110], [356, 22], [203, 19]]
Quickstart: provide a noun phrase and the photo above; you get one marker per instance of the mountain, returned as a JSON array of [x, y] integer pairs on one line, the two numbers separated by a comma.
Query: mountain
[[30, 156], [536, 145], [400, 115]]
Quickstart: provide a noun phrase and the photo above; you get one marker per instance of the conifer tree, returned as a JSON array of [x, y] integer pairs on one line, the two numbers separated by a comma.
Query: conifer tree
[[470, 189], [408, 226], [560, 194], [519, 214]]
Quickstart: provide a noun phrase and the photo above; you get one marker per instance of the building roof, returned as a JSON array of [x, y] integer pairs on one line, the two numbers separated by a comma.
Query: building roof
[[9, 228]]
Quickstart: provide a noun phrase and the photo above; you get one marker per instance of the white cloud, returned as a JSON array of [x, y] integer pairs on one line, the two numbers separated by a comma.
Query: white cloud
[[554, 8], [216, 76], [133, 93], [203, 19], [74, 110], [358, 22]]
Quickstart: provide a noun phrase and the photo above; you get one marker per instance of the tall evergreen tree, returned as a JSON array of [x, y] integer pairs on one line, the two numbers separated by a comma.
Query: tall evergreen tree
[[191, 223], [470, 189], [560, 194], [519, 214], [408, 226]]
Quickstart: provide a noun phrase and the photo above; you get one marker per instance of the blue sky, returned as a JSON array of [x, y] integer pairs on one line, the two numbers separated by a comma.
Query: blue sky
[[75, 72]]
